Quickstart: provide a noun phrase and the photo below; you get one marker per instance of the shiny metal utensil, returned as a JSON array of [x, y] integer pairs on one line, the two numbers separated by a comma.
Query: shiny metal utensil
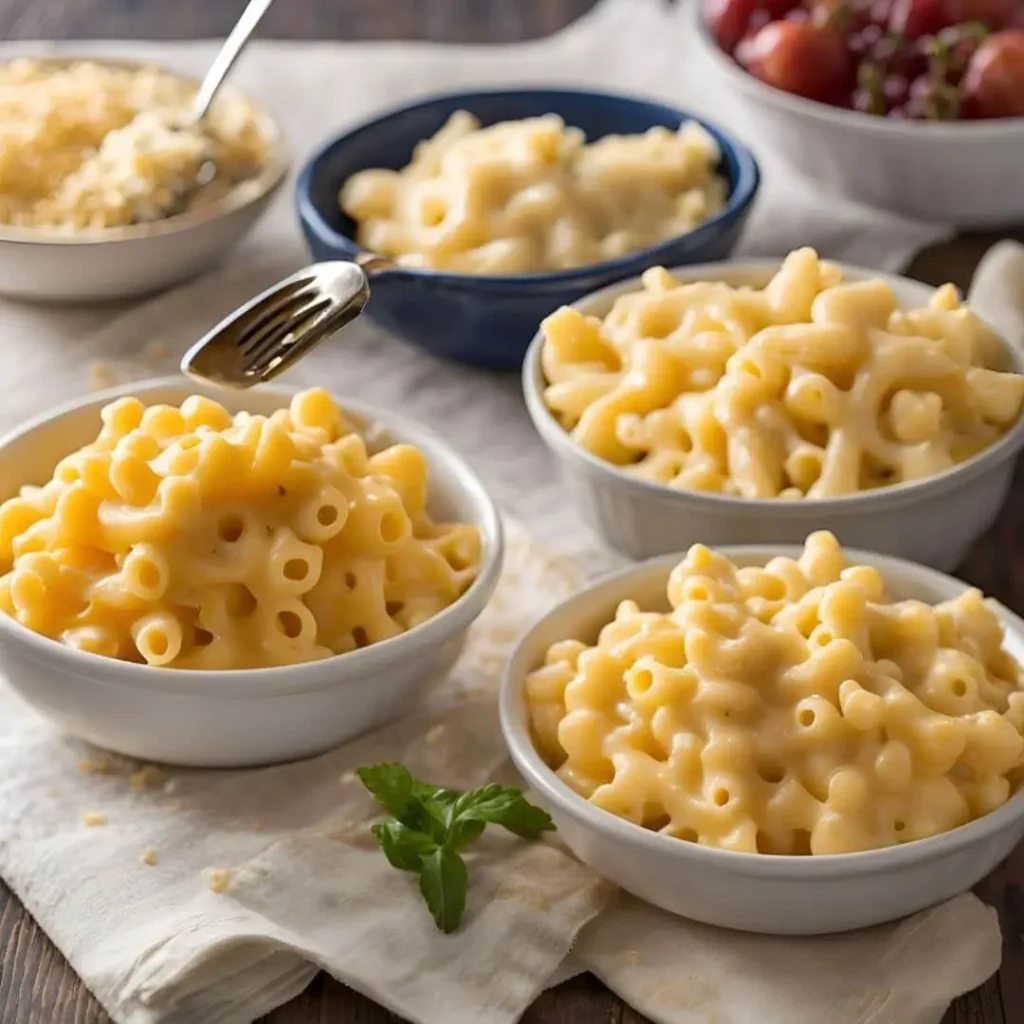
[[265, 336], [233, 46], [229, 53]]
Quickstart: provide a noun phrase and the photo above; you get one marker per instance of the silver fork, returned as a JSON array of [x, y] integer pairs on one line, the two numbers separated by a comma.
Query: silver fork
[[272, 331]]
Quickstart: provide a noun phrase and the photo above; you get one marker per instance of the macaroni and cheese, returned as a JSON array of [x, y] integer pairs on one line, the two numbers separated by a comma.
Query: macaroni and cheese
[[530, 196], [188, 538], [86, 146], [810, 387], [789, 709]]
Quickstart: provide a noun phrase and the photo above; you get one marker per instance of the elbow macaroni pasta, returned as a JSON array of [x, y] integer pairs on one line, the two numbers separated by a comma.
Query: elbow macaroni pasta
[[811, 387], [188, 538], [529, 196], [789, 709]]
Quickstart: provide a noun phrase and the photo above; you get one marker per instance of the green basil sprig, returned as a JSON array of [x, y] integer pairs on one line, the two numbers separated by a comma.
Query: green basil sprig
[[432, 825]]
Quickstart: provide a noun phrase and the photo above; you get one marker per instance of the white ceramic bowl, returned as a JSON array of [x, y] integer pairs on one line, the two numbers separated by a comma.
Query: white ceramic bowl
[[965, 173], [933, 521], [245, 717], [124, 262], [783, 895]]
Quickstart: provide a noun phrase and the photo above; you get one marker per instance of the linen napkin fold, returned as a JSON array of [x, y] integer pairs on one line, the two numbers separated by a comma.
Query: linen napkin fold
[[998, 290]]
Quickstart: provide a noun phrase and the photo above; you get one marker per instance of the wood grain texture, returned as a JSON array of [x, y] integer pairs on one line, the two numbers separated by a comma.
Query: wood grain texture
[[36, 984], [453, 21]]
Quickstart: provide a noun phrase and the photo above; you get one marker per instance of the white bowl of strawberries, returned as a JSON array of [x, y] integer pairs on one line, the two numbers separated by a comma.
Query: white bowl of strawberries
[[916, 106]]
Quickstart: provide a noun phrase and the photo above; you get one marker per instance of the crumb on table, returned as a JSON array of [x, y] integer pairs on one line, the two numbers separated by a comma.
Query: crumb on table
[[149, 857], [147, 777], [102, 375], [99, 766], [93, 818], [218, 879], [347, 778], [157, 351], [435, 734]]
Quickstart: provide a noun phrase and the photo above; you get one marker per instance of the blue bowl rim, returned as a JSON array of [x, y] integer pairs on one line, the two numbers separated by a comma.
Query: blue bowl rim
[[748, 181]]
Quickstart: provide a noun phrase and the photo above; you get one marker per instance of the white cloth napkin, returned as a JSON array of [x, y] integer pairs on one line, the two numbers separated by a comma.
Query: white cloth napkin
[[303, 885]]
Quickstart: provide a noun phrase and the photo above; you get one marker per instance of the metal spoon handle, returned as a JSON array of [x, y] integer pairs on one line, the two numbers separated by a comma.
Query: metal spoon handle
[[233, 46]]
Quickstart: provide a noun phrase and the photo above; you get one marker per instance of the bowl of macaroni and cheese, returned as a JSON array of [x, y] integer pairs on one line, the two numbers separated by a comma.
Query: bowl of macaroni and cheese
[[487, 210], [736, 403], [108, 190], [218, 578], [789, 740]]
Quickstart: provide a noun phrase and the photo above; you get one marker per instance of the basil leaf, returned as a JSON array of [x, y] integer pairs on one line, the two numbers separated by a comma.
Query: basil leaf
[[433, 824], [443, 882], [439, 795], [505, 806], [403, 847], [391, 785], [405, 798], [434, 821], [462, 833], [522, 819]]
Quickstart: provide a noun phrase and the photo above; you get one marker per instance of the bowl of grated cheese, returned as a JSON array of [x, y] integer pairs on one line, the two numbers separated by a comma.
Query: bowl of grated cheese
[[107, 191]]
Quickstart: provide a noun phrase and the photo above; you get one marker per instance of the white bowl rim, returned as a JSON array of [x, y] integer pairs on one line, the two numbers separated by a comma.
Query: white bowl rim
[[351, 667], [896, 494], [960, 132], [268, 181], [514, 722]]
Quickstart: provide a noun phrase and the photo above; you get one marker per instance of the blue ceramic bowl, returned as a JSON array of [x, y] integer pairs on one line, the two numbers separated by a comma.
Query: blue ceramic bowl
[[489, 321]]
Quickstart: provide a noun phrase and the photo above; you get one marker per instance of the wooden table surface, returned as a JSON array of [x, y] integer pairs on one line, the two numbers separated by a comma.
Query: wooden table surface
[[36, 985]]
